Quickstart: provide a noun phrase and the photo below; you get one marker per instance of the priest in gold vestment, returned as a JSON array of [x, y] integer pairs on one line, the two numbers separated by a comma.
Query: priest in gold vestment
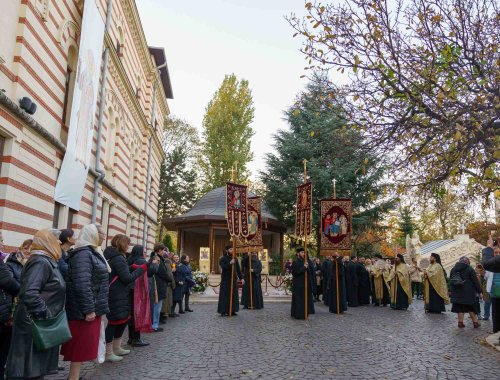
[[400, 285], [435, 287]]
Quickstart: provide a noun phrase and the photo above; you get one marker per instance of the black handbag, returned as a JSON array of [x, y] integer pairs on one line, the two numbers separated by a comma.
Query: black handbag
[[456, 280], [50, 332]]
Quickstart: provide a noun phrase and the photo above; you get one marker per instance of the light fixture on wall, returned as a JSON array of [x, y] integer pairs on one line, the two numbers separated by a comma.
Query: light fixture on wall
[[28, 105]]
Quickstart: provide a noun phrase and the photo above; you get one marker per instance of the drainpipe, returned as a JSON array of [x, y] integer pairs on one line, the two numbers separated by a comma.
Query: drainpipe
[[150, 151], [101, 172]]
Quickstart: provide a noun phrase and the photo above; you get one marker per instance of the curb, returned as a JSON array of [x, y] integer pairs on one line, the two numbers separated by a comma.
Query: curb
[[493, 339]]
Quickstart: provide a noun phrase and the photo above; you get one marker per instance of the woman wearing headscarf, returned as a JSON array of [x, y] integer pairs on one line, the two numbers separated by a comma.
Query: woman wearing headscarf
[[121, 279], [87, 286], [435, 286], [464, 289], [135, 260], [400, 284], [41, 296]]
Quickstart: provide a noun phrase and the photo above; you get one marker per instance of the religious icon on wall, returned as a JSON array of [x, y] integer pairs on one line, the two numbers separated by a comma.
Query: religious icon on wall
[[263, 255], [236, 209], [303, 220], [204, 253], [335, 226]]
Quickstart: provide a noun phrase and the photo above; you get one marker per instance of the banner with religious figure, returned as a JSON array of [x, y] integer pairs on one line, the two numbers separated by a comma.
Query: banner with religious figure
[[237, 209], [205, 260], [335, 226], [74, 169], [303, 216], [253, 242]]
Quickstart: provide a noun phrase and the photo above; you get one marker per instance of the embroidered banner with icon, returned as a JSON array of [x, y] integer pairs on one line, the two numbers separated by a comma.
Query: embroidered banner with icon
[[335, 226], [253, 242], [236, 209], [303, 216]]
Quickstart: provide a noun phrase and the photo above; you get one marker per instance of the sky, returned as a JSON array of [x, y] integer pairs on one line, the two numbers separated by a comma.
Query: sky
[[207, 39]]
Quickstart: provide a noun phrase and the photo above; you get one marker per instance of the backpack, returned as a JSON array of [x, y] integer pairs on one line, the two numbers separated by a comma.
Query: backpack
[[456, 280]]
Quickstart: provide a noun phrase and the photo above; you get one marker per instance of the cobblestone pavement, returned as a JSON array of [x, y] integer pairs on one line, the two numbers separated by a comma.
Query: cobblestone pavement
[[365, 343]]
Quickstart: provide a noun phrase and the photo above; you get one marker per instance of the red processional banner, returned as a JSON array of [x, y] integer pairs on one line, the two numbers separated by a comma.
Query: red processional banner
[[303, 216], [335, 226], [253, 242], [236, 209]]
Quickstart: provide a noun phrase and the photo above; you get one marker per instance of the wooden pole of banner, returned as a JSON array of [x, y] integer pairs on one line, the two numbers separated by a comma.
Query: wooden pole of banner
[[250, 278], [336, 258], [233, 179], [305, 249]]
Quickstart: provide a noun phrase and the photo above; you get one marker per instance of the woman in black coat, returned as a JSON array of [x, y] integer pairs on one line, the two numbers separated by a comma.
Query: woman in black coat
[[180, 280], [121, 279], [41, 296], [136, 258], [464, 289], [87, 286]]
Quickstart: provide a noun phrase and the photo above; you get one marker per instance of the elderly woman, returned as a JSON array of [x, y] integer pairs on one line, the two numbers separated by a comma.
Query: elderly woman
[[87, 284], [464, 290], [41, 296]]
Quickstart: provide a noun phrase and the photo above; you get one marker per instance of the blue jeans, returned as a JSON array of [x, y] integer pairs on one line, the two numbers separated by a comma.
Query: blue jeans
[[156, 314], [487, 307]]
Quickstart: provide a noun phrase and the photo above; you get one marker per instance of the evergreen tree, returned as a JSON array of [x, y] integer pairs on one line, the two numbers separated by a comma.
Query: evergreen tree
[[227, 133], [406, 225], [320, 134]]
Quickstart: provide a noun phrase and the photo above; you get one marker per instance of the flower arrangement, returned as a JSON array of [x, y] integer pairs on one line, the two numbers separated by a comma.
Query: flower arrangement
[[287, 282], [201, 282]]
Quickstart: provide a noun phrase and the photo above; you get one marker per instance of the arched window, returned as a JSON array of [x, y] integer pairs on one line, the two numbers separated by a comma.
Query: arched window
[[120, 42]]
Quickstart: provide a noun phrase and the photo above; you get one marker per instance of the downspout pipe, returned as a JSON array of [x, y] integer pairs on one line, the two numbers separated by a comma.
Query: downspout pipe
[[150, 151], [101, 172]]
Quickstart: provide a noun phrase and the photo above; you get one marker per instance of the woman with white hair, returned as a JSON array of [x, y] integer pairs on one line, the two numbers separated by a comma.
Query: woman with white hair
[[87, 285]]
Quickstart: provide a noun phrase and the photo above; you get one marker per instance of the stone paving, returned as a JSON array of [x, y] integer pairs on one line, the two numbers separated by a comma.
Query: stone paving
[[365, 343]]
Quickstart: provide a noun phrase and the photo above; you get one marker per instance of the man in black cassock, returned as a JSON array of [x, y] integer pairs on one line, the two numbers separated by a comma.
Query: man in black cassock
[[254, 273], [325, 272], [364, 287], [299, 268], [226, 263], [336, 287], [311, 278], [352, 282]]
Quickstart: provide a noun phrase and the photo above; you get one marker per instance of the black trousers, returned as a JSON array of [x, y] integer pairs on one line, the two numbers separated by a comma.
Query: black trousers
[[114, 332], [132, 334], [416, 288], [186, 301], [5, 338], [495, 314]]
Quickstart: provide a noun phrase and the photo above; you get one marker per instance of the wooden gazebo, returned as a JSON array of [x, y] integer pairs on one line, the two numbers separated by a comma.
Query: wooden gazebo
[[204, 226]]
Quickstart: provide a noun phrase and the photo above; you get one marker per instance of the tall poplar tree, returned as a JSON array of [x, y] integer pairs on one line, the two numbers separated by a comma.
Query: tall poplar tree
[[227, 133]]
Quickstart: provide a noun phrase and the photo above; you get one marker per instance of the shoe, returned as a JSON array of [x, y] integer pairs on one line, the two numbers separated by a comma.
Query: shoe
[[461, 325], [121, 351], [159, 329], [163, 322], [485, 319], [60, 368], [112, 358], [190, 310], [139, 343], [182, 312], [476, 324]]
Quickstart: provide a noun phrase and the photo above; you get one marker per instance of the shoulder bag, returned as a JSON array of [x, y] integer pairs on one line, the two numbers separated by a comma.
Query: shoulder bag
[[50, 332]]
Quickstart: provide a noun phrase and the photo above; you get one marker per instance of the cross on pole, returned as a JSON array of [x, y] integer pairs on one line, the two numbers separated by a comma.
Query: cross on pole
[[334, 188]]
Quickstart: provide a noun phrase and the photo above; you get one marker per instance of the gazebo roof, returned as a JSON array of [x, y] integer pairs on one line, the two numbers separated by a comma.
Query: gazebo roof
[[212, 207]]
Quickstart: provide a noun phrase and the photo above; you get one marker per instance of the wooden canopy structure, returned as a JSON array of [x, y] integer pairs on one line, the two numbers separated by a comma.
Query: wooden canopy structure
[[204, 226]]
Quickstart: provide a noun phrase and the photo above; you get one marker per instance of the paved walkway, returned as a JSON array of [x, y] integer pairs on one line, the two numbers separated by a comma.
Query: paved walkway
[[365, 343]]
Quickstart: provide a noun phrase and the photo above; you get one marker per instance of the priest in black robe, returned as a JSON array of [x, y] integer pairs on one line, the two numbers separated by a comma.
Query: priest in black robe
[[364, 287], [226, 263], [299, 269], [352, 282], [336, 287], [325, 272], [252, 276]]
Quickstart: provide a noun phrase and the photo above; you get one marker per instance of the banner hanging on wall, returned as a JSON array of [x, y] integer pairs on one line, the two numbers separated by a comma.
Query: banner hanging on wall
[[335, 226], [75, 166]]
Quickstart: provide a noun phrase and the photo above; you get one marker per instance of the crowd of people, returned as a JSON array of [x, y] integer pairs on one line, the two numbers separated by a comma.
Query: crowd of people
[[348, 282], [53, 274]]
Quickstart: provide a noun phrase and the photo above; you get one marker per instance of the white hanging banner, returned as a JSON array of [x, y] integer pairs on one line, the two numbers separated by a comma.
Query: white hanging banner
[[75, 166]]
